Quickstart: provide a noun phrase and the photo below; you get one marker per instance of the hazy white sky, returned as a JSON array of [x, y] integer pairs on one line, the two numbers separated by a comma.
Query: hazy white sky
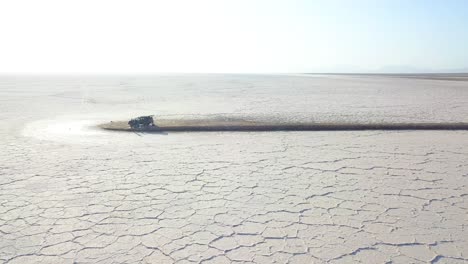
[[106, 36]]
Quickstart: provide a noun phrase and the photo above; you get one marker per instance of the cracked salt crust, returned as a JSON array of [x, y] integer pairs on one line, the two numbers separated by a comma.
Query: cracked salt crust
[[317, 198], [76, 196]]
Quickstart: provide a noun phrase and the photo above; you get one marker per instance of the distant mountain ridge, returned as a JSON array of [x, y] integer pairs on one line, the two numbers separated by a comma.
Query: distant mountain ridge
[[410, 69], [389, 69]]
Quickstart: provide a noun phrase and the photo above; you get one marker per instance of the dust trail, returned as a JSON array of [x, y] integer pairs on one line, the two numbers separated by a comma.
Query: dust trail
[[200, 125]]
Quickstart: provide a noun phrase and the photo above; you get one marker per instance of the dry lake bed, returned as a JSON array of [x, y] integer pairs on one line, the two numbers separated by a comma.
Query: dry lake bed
[[72, 193]]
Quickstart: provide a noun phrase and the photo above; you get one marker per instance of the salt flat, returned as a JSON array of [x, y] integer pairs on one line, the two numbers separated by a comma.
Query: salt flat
[[73, 194]]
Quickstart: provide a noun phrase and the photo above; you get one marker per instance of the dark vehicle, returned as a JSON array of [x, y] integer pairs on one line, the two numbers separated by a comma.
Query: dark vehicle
[[141, 122]]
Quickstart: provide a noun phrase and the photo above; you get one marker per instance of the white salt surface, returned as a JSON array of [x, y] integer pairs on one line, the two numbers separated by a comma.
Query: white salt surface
[[70, 193]]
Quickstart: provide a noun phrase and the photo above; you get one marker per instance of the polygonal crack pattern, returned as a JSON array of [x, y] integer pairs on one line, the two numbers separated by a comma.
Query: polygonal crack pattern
[[320, 197]]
